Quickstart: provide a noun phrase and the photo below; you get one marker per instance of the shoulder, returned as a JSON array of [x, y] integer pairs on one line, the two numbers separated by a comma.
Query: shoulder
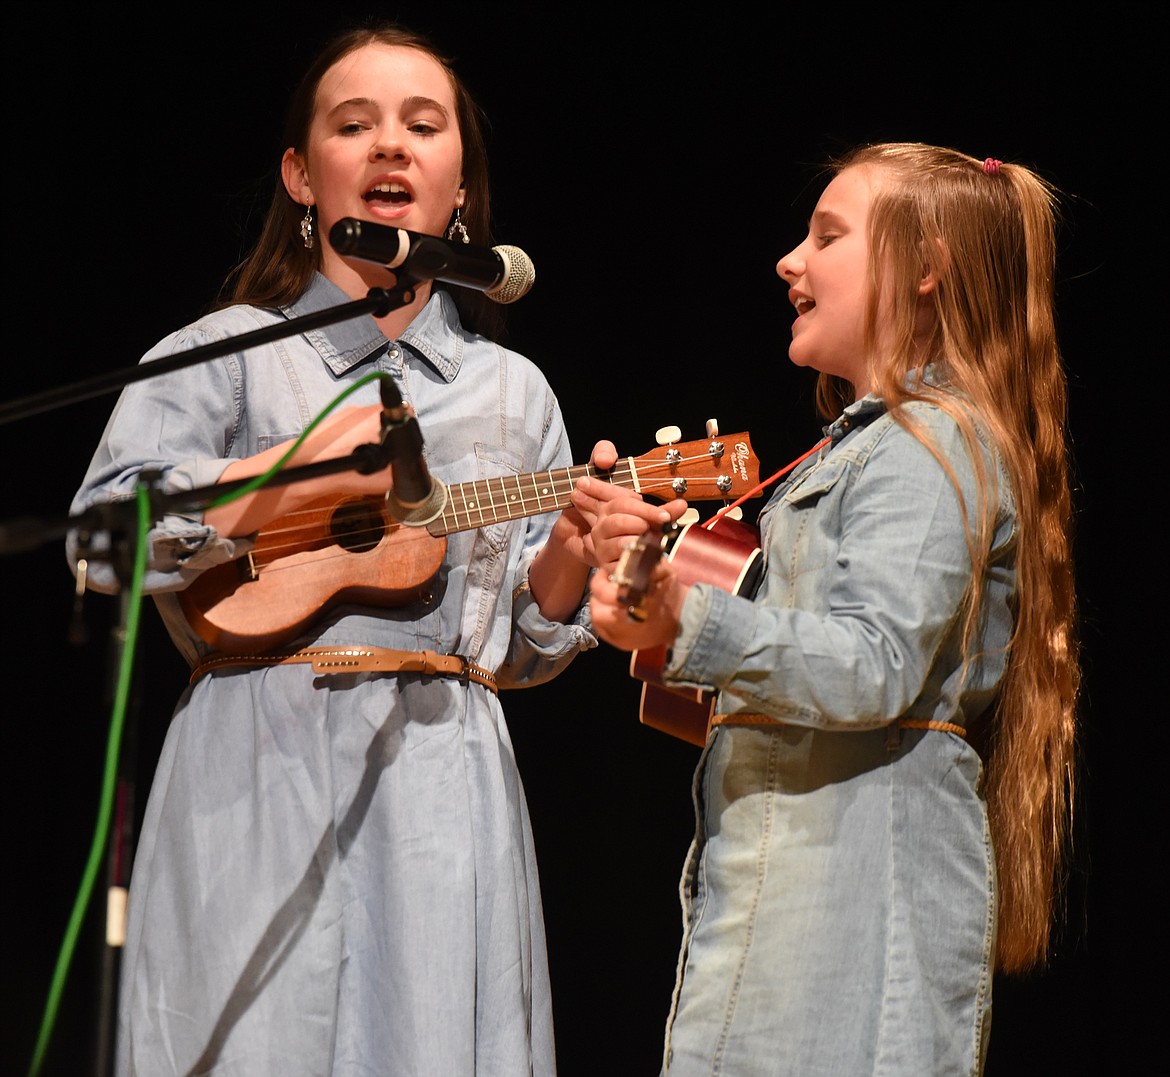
[[517, 370], [948, 426], [519, 366], [491, 368], [216, 325], [916, 443], [951, 425], [944, 442]]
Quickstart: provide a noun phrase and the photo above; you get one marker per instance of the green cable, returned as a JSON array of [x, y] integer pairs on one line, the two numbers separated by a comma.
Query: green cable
[[118, 719], [109, 781], [260, 480]]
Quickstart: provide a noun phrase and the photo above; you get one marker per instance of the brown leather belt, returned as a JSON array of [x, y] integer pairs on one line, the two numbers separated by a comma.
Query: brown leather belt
[[751, 718], [327, 660]]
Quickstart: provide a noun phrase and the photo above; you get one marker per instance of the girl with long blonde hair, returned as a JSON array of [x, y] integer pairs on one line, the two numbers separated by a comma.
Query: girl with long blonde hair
[[883, 799]]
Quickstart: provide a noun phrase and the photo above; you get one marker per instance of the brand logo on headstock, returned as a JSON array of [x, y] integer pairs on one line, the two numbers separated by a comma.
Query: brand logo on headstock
[[740, 455]]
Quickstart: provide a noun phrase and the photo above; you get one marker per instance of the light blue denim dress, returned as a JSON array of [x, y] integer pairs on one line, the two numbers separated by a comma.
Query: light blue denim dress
[[336, 874], [839, 897]]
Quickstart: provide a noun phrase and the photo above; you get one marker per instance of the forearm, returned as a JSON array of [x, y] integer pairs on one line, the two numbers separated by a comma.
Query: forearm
[[557, 577], [336, 438]]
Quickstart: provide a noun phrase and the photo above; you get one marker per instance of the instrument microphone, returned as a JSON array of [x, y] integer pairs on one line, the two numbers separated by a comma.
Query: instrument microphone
[[503, 274], [416, 497]]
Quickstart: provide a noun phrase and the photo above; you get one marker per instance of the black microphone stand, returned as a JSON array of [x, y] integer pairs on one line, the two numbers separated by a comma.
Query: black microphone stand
[[119, 522]]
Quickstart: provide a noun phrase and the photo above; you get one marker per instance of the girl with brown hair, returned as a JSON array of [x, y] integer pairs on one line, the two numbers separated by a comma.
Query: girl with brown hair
[[336, 872]]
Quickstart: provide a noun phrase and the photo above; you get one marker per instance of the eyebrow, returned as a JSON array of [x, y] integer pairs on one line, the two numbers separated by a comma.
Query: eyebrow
[[408, 103], [425, 102], [825, 216]]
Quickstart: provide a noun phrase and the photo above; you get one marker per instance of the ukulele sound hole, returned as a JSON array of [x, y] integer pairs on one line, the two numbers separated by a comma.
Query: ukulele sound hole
[[357, 526]]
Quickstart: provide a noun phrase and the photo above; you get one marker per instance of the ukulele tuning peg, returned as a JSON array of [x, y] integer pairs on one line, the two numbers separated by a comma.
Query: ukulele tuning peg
[[716, 446], [733, 514], [668, 435], [691, 516]]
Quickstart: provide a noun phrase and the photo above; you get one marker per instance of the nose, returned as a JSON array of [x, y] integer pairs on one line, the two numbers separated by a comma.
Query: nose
[[388, 145], [791, 266]]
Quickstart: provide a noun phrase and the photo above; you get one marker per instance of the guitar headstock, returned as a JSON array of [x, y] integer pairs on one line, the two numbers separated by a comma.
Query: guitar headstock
[[718, 468]]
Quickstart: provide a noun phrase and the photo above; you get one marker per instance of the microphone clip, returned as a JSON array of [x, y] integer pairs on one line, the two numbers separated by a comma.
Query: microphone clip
[[416, 498]]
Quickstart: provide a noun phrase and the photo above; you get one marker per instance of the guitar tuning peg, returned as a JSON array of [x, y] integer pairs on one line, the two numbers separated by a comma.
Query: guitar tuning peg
[[667, 435], [712, 428], [691, 516]]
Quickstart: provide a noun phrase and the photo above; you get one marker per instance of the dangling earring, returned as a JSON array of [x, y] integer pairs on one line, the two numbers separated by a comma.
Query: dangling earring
[[457, 227], [307, 228]]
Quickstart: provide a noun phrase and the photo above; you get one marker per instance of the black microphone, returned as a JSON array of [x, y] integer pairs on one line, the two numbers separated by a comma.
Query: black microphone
[[503, 274], [416, 498]]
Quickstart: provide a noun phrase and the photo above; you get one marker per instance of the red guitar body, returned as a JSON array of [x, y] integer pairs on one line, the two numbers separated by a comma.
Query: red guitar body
[[728, 556]]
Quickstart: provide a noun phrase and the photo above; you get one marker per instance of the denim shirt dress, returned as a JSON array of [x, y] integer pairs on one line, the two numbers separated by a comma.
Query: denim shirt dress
[[839, 897], [336, 874]]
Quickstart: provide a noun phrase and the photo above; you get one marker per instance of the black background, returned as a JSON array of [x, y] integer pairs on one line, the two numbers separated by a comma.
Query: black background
[[654, 169]]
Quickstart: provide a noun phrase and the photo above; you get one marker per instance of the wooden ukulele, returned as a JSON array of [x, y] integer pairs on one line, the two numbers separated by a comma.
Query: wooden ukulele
[[349, 549], [727, 555]]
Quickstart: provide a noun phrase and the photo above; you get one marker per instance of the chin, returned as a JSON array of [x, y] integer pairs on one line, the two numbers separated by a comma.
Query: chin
[[797, 357]]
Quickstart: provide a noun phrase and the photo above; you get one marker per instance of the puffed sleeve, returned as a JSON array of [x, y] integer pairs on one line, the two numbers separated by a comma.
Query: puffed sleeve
[[868, 570]]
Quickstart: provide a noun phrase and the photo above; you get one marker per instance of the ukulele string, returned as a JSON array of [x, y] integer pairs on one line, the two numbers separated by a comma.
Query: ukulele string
[[310, 528]]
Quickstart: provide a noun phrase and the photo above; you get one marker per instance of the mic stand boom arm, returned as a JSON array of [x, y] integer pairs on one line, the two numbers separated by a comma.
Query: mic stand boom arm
[[379, 302], [26, 533]]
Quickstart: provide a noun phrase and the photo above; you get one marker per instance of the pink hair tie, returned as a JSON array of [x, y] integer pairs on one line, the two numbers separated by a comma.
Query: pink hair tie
[[991, 166]]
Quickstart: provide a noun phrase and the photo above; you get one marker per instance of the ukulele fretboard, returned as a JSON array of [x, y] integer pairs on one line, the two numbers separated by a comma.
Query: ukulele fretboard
[[488, 501]]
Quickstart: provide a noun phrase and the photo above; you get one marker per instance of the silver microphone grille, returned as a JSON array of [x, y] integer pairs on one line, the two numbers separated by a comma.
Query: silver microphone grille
[[519, 275]]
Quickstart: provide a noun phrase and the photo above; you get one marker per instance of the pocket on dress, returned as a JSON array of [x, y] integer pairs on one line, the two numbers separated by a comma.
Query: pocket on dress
[[496, 463], [815, 483], [803, 530]]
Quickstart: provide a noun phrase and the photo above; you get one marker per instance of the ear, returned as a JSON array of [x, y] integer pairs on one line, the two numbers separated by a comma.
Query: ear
[[460, 196], [933, 268], [295, 173]]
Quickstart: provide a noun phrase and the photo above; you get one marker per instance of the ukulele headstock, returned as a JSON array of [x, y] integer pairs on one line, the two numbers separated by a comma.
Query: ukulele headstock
[[714, 469]]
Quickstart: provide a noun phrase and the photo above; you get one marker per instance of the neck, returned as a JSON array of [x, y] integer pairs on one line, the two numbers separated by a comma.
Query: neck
[[395, 323], [357, 283]]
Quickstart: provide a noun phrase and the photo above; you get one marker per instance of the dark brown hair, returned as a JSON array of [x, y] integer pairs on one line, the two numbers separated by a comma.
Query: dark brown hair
[[279, 268]]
